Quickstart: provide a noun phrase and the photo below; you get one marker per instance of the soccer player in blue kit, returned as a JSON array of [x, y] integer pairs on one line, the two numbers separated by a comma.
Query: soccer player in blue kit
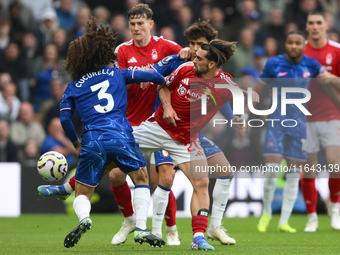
[[292, 69], [98, 92]]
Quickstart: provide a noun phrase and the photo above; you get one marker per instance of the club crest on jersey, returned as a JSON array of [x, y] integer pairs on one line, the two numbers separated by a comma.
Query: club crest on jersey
[[306, 74], [165, 154], [329, 59], [181, 90], [154, 54]]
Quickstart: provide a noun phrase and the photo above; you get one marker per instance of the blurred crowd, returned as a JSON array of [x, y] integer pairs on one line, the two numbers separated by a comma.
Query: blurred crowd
[[34, 38]]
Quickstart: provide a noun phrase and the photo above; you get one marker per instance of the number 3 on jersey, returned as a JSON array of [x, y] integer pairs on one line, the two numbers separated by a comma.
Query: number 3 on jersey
[[103, 86]]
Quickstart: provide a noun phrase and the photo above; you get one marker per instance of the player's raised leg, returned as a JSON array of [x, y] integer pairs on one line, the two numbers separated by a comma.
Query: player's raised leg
[[60, 191]]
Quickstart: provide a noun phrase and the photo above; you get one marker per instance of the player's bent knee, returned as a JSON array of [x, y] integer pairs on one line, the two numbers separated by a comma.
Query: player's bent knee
[[117, 177], [166, 179], [140, 177], [200, 184]]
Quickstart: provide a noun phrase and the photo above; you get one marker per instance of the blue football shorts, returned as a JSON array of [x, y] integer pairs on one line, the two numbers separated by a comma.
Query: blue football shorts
[[96, 155], [278, 142]]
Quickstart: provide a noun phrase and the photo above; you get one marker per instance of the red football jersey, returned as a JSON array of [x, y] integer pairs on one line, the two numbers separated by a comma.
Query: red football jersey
[[320, 106], [141, 102], [187, 89]]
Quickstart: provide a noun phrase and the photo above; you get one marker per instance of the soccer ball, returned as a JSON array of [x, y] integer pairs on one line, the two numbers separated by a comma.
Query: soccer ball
[[52, 166]]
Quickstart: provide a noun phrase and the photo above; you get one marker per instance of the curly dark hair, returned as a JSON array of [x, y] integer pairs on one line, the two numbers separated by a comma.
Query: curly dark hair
[[201, 28], [92, 51]]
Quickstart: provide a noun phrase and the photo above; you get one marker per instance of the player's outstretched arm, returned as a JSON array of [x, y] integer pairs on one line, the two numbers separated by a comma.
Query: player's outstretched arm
[[138, 76], [227, 112]]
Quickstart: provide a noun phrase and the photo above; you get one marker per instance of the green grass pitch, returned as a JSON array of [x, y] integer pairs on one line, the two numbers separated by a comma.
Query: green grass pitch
[[44, 234]]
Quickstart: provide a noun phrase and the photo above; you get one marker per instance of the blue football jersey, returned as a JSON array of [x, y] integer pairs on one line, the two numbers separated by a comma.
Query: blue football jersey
[[279, 72], [101, 100]]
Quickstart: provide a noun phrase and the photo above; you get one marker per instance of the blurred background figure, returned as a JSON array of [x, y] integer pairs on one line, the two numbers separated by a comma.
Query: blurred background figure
[[82, 17], [168, 33], [271, 47], [25, 129], [48, 24], [276, 29], [5, 77], [38, 7], [9, 103], [65, 16], [60, 40], [46, 69], [5, 27], [102, 14], [57, 88], [21, 18], [118, 24], [14, 64], [31, 153], [56, 140], [8, 150], [244, 53]]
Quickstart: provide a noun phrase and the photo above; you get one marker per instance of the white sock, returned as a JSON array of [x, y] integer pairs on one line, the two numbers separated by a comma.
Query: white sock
[[167, 228], [269, 186], [141, 203], [131, 219], [220, 200], [68, 188], [198, 234], [82, 207], [333, 206], [160, 202], [290, 193], [312, 216]]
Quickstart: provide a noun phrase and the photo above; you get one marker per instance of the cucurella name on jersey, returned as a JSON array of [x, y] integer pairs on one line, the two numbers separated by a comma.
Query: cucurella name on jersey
[[93, 74]]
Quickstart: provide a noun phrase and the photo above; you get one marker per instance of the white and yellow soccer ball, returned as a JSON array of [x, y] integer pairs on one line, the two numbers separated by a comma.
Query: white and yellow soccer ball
[[52, 166]]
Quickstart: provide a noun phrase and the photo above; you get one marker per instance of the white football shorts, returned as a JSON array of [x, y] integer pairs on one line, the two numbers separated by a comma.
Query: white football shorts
[[152, 137], [326, 133]]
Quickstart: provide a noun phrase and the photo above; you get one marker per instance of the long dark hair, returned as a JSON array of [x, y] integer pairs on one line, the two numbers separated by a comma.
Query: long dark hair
[[91, 51]]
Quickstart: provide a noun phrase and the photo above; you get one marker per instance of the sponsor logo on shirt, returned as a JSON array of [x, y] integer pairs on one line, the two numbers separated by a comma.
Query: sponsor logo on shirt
[[306, 74], [282, 74]]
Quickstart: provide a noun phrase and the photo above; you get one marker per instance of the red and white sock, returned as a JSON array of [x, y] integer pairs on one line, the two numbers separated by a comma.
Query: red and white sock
[[310, 194], [122, 195], [170, 213], [334, 189], [70, 186], [199, 222]]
